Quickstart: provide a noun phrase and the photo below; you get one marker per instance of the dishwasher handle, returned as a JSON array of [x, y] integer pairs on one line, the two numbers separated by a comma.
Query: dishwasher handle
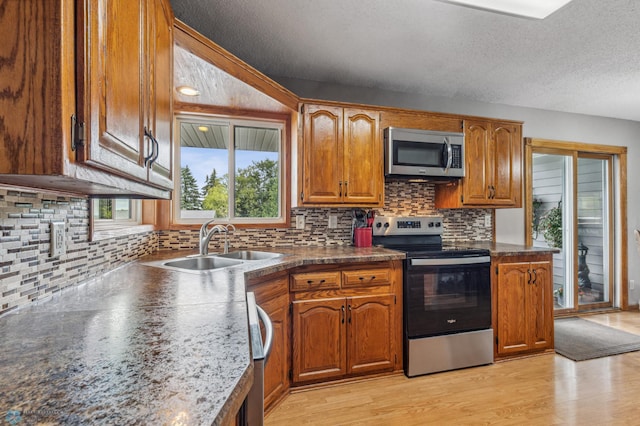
[[268, 326]]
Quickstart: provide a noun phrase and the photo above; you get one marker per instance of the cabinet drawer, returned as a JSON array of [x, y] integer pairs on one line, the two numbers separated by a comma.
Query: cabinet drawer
[[315, 281], [365, 277]]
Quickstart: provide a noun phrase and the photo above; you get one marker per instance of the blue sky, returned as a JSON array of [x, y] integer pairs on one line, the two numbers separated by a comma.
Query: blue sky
[[202, 161]]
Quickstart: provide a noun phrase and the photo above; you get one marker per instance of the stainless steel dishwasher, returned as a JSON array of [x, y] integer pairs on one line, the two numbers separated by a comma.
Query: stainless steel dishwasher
[[254, 404]]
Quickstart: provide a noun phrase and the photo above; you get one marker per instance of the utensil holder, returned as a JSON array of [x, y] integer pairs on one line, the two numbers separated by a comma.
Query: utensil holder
[[362, 237]]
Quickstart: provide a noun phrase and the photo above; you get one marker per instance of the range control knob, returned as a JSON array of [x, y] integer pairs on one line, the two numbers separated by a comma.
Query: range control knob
[[430, 224], [378, 224], [438, 224], [386, 225]]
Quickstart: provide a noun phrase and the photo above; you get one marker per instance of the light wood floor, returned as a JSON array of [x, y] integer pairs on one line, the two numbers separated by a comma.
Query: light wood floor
[[542, 390]]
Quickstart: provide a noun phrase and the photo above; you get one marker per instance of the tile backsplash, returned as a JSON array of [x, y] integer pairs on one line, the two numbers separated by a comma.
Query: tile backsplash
[[401, 198], [29, 273]]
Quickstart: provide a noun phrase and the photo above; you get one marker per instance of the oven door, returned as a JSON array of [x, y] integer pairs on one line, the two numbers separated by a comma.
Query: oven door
[[444, 296]]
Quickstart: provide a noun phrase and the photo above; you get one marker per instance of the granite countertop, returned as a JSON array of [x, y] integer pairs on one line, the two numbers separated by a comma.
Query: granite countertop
[[506, 249], [143, 345]]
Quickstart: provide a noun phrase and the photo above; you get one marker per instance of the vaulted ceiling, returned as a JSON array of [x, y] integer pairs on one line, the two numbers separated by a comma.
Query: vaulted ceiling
[[584, 58]]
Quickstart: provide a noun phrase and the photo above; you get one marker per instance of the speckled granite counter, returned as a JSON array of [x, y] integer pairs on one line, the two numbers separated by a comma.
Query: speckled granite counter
[[505, 249], [142, 345]]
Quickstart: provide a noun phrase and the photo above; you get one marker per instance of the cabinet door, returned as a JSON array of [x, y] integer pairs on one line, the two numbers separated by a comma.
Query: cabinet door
[[115, 77], [276, 371], [477, 161], [512, 301], [362, 168], [371, 336], [506, 170], [322, 151], [160, 120], [319, 339], [540, 316]]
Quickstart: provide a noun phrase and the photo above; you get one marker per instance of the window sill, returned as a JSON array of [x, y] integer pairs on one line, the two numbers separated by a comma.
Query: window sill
[[106, 234]]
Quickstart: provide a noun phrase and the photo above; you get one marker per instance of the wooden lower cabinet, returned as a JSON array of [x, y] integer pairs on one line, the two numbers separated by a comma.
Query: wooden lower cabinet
[[370, 325], [351, 331], [336, 337], [319, 339], [523, 317]]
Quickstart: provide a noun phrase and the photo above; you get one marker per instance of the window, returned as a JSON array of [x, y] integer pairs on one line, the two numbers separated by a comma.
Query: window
[[230, 169], [115, 213]]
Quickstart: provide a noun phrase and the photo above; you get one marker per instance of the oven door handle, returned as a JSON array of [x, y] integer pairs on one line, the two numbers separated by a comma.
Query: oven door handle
[[451, 261]]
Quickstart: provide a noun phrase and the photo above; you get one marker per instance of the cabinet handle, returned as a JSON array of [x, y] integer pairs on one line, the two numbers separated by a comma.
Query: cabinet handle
[[342, 313], [535, 277], [311, 281], [373, 277], [153, 156], [529, 272], [346, 188], [349, 314], [340, 189]]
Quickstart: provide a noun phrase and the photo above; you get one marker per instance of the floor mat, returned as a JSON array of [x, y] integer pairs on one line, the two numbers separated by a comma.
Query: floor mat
[[579, 339]]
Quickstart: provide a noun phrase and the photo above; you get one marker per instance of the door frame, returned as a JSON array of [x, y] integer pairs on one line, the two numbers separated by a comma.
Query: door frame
[[619, 216]]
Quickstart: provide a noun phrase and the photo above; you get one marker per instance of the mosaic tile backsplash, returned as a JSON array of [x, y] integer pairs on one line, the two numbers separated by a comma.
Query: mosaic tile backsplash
[[28, 272], [401, 198]]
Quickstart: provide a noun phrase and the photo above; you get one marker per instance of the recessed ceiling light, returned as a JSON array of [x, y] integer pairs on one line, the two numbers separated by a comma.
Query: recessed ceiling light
[[203, 128], [188, 91], [537, 9]]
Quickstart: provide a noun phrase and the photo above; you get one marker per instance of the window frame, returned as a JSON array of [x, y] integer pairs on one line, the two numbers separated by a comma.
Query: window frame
[[281, 122], [102, 229]]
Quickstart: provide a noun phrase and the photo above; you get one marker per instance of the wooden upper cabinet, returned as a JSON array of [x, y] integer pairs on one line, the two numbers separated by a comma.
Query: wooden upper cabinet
[[322, 150], [506, 164], [127, 108], [342, 157], [493, 174], [87, 77], [362, 161], [161, 97], [477, 153]]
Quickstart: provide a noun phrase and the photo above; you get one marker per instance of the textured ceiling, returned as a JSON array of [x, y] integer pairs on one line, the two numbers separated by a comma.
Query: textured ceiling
[[585, 58]]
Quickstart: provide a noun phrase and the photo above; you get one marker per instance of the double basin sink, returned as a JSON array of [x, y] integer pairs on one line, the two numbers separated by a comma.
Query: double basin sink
[[216, 261]]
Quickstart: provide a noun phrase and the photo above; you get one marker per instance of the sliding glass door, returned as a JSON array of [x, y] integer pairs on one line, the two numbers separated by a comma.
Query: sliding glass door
[[571, 211]]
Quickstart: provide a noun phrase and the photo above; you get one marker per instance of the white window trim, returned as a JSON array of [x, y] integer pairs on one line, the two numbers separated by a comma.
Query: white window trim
[[231, 122]]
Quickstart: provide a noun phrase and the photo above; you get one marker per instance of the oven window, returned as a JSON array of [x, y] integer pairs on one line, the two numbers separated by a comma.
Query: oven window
[[447, 299], [448, 290]]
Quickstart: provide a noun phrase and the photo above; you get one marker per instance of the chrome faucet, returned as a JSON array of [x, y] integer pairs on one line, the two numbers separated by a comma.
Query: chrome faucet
[[206, 234], [226, 236]]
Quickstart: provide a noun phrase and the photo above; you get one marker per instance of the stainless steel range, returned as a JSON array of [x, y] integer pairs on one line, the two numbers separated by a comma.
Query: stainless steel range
[[447, 296]]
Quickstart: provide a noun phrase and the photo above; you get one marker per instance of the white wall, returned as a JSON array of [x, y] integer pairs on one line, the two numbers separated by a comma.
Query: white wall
[[537, 124]]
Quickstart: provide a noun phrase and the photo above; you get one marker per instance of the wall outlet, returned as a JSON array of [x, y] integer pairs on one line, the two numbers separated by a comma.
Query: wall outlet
[[58, 241], [300, 221], [333, 221], [487, 220], [632, 284]]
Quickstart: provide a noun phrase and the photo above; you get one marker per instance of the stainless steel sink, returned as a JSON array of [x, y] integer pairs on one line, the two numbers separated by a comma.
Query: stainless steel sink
[[249, 255], [200, 263]]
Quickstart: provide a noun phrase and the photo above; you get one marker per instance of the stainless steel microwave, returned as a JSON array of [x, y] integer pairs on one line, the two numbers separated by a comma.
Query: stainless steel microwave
[[423, 153]]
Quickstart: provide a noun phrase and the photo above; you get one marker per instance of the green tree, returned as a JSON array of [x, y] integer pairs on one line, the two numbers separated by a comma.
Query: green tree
[[209, 182], [189, 193], [256, 190], [217, 197]]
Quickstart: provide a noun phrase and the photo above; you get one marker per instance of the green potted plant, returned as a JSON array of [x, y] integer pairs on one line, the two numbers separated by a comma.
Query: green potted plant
[[551, 225]]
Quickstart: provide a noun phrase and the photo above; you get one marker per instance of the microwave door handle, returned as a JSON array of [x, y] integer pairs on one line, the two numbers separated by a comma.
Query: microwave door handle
[[449, 154]]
